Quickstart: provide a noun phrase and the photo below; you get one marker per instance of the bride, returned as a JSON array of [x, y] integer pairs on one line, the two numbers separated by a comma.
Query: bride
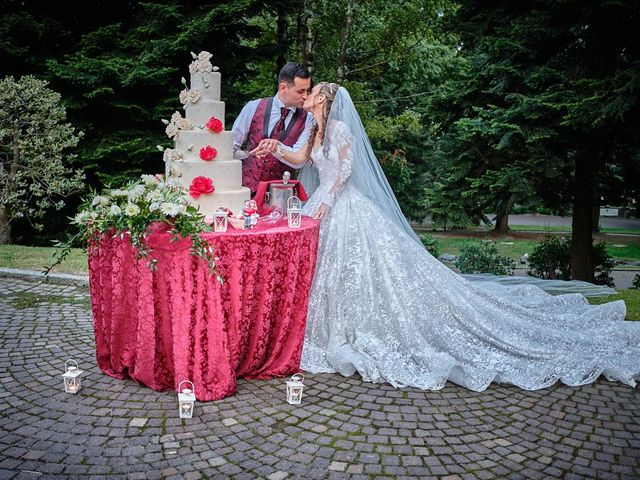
[[381, 305]]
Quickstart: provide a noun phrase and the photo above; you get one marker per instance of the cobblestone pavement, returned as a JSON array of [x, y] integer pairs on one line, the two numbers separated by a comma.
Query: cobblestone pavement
[[344, 429]]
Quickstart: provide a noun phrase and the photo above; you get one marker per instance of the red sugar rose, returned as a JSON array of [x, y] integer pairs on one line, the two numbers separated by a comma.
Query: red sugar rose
[[208, 153], [201, 186], [214, 125]]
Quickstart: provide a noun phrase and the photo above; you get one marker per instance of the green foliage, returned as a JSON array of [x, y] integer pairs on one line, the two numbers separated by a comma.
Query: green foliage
[[603, 265], [432, 244], [551, 259], [36, 170], [542, 88], [636, 282], [483, 257]]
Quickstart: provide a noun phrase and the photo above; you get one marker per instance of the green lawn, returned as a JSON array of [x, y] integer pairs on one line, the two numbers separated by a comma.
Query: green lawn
[[515, 248], [37, 258], [567, 229]]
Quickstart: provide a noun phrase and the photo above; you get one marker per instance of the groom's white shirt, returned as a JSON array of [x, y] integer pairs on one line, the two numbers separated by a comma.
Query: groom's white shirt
[[241, 126]]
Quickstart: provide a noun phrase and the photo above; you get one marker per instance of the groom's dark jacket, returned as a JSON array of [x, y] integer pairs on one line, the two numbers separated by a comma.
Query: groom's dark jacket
[[254, 169]]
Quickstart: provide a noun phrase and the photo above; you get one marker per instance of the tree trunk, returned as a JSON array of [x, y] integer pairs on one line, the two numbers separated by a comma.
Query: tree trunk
[[281, 38], [306, 38], [346, 31], [582, 267], [596, 217], [502, 217], [5, 227]]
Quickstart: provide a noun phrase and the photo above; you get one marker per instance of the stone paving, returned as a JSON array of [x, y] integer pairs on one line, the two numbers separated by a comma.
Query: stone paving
[[345, 428]]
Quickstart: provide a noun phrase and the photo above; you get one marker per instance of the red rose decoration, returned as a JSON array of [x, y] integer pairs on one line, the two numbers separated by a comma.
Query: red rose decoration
[[200, 186], [214, 125], [208, 153]]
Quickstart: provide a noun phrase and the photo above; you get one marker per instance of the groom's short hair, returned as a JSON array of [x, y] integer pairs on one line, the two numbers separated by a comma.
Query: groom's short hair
[[292, 70]]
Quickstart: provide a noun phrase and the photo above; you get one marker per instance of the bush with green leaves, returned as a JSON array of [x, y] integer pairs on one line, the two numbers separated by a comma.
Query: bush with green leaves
[[551, 259], [432, 244], [483, 257], [36, 163], [636, 282]]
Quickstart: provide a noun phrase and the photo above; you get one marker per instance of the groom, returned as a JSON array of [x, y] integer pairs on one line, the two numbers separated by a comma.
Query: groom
[[280, 117]]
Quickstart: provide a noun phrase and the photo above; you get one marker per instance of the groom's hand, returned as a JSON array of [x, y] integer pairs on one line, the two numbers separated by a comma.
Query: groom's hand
[[265, 147]]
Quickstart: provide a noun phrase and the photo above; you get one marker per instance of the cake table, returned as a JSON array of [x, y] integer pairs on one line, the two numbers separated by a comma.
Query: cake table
[[180, 323]]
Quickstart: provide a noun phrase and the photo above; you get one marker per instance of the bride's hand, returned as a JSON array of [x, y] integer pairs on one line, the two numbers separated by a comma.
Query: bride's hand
[[265, 147], [322, 212]]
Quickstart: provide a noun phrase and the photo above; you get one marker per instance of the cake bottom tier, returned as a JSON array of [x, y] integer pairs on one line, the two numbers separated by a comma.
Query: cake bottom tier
[[231, 199]]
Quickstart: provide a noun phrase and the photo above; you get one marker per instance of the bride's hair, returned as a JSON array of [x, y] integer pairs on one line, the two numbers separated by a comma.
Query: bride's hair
[[328, 91]]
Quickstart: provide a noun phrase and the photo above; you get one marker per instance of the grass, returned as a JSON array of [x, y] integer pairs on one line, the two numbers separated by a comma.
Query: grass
[[515, 248], [37, 258], [631, 298], [567, 229], [22, 300]]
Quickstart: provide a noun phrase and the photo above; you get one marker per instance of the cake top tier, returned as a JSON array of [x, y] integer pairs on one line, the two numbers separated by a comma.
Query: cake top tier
[[205, 80]]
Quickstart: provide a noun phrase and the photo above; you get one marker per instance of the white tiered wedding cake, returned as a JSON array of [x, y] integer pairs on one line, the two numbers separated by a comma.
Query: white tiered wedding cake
[[202, 159]]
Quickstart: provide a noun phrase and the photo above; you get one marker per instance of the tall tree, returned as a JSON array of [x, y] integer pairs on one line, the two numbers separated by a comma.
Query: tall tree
[[552, 95]]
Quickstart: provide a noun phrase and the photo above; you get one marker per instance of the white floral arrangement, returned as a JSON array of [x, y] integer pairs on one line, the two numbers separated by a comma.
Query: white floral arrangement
[[128, 212], [176, 123], [202, 63]]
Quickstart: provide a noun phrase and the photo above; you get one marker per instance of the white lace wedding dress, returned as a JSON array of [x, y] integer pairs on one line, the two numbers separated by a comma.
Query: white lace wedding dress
[[382, 306]]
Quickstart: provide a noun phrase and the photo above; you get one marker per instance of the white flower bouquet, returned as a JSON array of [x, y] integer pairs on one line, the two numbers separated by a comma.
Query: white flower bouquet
[[129, 212]]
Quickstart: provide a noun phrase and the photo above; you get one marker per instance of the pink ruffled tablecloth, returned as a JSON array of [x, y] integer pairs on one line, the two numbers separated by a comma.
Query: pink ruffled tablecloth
[[179, 323]]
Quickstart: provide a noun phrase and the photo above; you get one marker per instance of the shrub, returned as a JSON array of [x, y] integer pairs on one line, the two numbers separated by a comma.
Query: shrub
[[636, 282], [483, 257], [432, 244], [551, 259]]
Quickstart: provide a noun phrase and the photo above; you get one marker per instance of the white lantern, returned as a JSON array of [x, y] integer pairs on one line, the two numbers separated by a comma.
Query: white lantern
[[186, 399], [295, 388], [294, 212], [220, 220], [71, 377]]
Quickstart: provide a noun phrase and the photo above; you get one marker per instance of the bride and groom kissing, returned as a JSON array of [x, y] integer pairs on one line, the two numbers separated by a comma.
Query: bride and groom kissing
[[380, 304]]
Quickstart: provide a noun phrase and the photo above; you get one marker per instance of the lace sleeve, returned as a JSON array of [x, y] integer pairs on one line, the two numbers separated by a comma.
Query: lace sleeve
[[342, 141]]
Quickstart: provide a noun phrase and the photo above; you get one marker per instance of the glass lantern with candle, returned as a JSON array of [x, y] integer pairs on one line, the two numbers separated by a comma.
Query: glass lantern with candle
[[71, 377], [295, 386], [220, 219], [186, 399], [294, 212]]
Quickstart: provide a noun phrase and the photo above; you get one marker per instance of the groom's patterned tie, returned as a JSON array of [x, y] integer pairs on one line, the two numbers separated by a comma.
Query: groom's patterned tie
[[278, 129]]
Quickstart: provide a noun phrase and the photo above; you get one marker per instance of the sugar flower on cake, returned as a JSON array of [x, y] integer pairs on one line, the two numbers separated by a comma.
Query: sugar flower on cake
[[171, 130], [189, 96], [214, 125], [184, 124], [176, 123], [172, 155], [201, 186], [202, 63], [208, 153]]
